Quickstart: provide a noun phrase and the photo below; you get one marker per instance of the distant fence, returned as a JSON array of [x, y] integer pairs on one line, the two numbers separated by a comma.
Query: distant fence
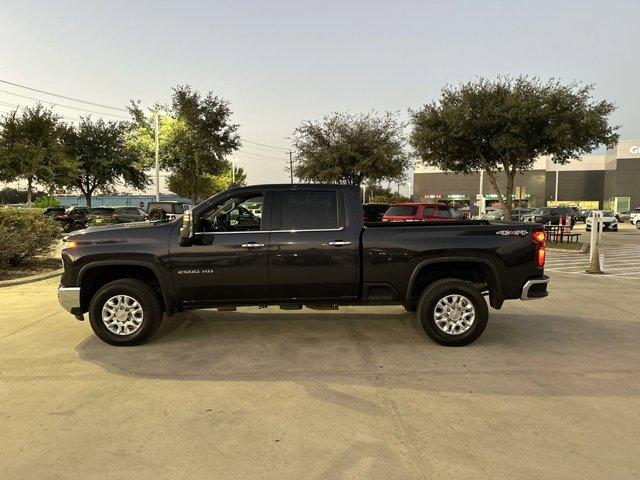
[[114, 200]]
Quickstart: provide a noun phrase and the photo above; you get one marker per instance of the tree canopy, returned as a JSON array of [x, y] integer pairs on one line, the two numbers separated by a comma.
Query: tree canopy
[[206, 185], [351, 149], [31, 148], [503, 125], [103, 157], [195, 137]]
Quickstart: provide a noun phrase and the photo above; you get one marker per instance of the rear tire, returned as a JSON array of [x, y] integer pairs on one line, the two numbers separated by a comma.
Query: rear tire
[[125, 312], [452, 312], [638, 224]]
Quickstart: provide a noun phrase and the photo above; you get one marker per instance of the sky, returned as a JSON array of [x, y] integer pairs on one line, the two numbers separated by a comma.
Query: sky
[[282, 62]]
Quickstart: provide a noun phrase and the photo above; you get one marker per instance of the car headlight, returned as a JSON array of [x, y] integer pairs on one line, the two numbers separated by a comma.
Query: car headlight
[[69, 244]]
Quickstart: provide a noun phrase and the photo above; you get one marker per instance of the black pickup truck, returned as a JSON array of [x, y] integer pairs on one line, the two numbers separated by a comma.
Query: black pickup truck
[[295, 245]]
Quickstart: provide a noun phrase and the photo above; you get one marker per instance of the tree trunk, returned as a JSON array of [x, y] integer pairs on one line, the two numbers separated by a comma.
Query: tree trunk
[[29, 188], [506, 206], [494, 184], [87, 198]]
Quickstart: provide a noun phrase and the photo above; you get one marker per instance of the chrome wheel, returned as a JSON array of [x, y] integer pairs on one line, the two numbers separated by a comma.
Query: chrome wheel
[[122, 315], [454, 314]]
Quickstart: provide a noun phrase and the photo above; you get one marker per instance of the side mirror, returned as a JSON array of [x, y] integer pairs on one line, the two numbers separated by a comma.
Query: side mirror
[[186, 230]]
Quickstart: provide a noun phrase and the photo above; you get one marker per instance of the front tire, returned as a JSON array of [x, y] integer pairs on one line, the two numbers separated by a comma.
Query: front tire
[[125, 312], [638, 224], [452, 312]]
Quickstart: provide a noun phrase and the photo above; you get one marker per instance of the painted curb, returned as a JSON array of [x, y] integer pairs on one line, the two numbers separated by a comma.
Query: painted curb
[[31, 279]]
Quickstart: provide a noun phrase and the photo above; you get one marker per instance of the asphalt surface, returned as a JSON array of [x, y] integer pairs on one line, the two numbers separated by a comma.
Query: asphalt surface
[[551, 390]]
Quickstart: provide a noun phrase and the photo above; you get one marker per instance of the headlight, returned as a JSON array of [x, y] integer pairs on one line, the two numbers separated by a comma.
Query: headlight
[[69, 244]]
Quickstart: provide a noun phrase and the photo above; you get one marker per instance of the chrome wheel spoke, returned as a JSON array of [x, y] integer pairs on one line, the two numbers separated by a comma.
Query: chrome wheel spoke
[[122, 315], [454, 314]]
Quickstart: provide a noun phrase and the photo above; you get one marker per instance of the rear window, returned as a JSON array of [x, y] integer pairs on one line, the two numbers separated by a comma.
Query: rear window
[[309, 210], [102, 211], [402, 210]]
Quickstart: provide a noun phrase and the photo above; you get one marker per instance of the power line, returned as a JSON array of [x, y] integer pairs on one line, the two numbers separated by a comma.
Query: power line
[[62, 105], [14, 106], [259, 157], [64, 96], [262, 144]]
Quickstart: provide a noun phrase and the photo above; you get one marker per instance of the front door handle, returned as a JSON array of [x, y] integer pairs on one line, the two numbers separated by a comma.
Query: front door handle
[[339, 243], [252, 245]]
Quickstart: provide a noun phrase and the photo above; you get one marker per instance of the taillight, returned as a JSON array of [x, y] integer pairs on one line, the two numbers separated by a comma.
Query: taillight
[[539, 238]]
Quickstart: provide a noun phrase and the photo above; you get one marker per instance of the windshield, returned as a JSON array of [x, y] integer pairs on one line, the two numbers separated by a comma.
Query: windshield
[[402, 210], [605, 213], [542, 211]]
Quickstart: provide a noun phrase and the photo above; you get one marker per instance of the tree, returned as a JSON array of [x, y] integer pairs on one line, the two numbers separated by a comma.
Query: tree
[[503, 125], [104, 157], [194, 140], [351, 149], [30, 148], [379, 194], [207, 185]]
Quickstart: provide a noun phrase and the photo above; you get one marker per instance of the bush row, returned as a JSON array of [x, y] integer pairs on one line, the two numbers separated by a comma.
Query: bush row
[[24, 234]]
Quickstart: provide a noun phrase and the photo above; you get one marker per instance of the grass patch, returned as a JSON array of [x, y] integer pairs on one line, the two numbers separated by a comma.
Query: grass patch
[[565, 246], [31, 267]]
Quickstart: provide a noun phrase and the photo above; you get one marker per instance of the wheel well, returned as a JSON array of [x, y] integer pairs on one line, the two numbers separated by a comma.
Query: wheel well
[[479, 274], [93, 279]]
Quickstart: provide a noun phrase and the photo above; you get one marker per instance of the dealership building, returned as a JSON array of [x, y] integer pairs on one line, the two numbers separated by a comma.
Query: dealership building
[[608, 180]]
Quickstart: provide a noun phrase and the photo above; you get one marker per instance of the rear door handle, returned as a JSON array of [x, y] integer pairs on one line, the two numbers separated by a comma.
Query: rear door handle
[[252, 245], [339, 243]]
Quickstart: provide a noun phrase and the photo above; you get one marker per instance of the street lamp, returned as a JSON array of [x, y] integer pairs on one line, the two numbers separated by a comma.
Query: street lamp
[[156, 114]]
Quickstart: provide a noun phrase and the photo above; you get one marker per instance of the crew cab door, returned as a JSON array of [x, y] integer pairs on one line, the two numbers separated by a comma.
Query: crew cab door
[[227, 262], [313, 248]]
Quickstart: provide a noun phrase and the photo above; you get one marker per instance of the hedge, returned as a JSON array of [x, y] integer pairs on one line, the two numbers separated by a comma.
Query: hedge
[[24, 234]]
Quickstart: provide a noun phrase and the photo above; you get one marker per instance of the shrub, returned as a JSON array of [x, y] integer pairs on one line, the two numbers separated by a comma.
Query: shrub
[[46, 201], [24, 234]]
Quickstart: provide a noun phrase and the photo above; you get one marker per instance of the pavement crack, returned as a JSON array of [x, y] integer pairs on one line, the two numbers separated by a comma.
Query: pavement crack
[[364, 353]]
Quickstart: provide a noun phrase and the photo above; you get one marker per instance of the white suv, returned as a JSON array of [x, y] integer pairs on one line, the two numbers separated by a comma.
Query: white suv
[[635, 218], [609, 221]]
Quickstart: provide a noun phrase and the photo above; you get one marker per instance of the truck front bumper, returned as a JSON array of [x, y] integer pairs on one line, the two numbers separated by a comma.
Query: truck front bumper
[[69, 298], [535, 288]]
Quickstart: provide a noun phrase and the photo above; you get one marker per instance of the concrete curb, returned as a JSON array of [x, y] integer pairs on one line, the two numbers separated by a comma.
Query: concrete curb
[[31, 279]]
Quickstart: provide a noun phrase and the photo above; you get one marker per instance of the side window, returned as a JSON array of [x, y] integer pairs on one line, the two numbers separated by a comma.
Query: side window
[[443, 213], [235, 214], [309, 210]]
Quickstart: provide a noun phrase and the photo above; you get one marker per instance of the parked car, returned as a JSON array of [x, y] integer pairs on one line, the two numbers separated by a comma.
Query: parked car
[[166, 210], [311, 248], [551, 215], [53, 211], [582, 216], [420, 212], [120, 214], [635, 218], [517, 214], [73, 218], [609, 221], [373, 212]]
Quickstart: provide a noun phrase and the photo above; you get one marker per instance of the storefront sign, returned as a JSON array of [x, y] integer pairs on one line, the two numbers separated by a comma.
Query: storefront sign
[[635, 149]]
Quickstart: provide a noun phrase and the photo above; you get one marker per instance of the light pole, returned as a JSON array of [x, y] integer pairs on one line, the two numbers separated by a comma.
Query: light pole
[[156, 115], [155, 124], [556, 196]]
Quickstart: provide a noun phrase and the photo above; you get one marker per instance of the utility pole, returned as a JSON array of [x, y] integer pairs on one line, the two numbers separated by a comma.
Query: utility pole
[[291, 165], [155, 124]]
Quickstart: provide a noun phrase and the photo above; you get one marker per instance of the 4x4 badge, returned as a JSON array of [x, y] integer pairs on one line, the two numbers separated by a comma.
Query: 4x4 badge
[[513, 232]]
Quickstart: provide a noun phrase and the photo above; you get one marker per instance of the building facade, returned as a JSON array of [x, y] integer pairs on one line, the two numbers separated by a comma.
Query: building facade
[[593, 181]]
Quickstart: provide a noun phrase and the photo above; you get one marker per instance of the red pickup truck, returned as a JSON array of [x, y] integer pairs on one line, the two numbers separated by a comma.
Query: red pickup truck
[[420, 212]]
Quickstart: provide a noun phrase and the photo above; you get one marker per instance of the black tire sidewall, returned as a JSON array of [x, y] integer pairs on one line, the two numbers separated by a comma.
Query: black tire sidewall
[[143, 294], [440, 289]]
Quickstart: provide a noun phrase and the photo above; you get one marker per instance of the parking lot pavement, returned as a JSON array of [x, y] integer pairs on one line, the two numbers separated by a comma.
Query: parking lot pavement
[[552, 390], [619, 251]]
